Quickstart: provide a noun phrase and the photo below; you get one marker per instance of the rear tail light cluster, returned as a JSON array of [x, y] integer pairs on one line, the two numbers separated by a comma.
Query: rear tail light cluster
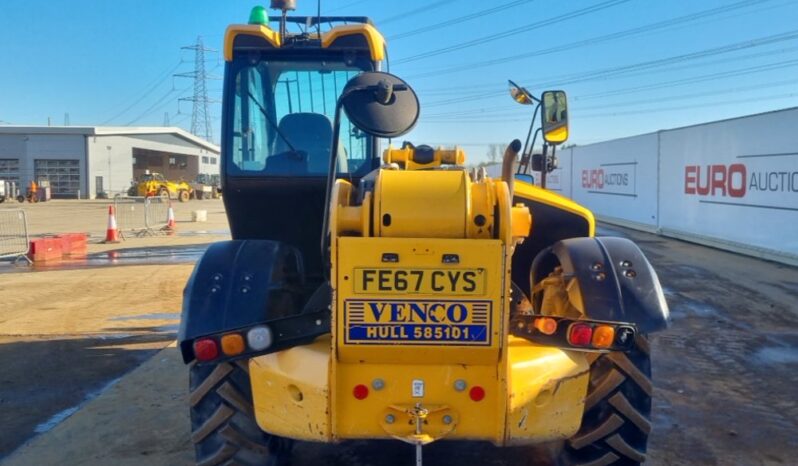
[[232, 344], [574, 334]]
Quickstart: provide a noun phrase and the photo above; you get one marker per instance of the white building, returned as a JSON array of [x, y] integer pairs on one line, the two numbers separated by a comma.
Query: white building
[[81, 161]]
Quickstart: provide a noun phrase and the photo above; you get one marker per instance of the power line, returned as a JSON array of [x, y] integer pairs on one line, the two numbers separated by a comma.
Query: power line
[[504, 111], [413, 12], [780, 65], [595, 40], [626, 69], [688, 107], [343, 7], [459, 19], [149, 89], [511, 32], [643, 72], [693, 80], [636, 112], [155, 106]]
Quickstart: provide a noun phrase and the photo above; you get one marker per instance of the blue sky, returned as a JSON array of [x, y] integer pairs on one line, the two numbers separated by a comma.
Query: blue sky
[[629, 66]]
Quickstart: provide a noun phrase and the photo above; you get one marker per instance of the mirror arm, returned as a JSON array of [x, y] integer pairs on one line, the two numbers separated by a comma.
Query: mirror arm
[[527, 167], [545, 165], [531, 127]]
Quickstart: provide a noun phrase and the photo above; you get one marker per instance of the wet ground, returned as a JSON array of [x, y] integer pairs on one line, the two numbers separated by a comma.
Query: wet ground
[[45, 380], [158, 255], [725, 375]]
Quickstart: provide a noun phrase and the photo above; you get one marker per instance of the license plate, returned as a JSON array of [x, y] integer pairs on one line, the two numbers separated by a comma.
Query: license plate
[[420, 322], [420, 281]]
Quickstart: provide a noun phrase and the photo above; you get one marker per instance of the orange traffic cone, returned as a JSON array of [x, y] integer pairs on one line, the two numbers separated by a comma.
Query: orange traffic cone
[[112, 232], [171, 225]]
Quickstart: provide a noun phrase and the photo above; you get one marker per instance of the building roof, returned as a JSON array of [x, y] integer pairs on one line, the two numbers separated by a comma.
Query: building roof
[[110, 131]]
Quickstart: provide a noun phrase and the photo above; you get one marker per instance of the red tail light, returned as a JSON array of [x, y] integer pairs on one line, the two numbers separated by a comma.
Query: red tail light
[[206, 349], [476, 393], [360, 392], [580, 334]]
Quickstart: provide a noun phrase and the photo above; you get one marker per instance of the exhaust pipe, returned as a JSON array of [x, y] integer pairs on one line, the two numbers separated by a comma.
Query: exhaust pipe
[[508, 164]]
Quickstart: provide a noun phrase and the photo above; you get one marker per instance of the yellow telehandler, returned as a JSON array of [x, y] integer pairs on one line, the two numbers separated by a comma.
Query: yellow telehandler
[[393, 294]]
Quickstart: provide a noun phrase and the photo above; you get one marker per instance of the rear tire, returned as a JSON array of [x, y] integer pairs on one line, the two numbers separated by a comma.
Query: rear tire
[[183, 196], [617, 419], [223, 427]]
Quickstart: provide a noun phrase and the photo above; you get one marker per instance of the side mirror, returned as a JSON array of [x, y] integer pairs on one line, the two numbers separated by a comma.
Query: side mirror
[[554, 117], [520, 94], [380, 104]]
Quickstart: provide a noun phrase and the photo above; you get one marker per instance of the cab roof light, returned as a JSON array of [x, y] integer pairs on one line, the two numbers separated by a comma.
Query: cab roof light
[[258, 15], [233, 344], [580, 334], [206, 349]]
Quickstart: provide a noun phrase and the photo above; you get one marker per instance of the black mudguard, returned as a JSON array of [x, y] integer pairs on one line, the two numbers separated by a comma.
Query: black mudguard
[[238, 284], [616, 283]]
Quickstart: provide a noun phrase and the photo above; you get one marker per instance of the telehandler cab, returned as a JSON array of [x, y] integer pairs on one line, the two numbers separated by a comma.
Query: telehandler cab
[[396, 295]]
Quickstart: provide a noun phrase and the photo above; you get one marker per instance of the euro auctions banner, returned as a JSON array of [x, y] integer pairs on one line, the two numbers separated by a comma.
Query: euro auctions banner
[[734, 180], [618, 179]]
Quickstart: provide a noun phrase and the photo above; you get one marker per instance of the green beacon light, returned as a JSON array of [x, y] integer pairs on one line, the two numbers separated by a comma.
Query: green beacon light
[[259, 16]]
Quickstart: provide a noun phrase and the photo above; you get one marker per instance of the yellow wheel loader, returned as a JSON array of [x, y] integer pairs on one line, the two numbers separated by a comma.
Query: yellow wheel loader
[[155, 184], [393, 294]]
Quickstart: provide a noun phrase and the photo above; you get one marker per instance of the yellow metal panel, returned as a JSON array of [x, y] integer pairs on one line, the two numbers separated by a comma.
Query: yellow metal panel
[[544, 196], [547, 392], [364, 419], [402, 315], [422, 204], [404, 156], [290, 391], [271, 36], [482, 202], [375, 40]]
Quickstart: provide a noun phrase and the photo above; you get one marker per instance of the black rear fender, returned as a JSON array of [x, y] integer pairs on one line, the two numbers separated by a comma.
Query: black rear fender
[[616, 283], [241, 283]]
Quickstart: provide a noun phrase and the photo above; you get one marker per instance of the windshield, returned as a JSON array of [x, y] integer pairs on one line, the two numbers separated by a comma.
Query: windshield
[[282, 120]]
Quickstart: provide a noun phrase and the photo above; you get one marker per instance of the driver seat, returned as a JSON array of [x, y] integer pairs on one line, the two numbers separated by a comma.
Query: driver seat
[[308, 132]]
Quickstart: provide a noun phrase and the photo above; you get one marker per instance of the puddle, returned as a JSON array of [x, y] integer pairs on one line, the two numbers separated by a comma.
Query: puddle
[[681, 308], [172, 328], [161, 255], [58, 418], [668, 292], [203, 232], [606, 230], [778, 355]]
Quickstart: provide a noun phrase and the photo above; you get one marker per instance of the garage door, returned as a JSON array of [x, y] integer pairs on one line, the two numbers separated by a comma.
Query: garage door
[[9, 170], [63, 174]]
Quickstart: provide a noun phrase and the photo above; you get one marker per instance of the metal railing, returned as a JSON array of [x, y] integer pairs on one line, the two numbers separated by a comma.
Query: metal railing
[[140, 216], [14, 239], [155, 213]]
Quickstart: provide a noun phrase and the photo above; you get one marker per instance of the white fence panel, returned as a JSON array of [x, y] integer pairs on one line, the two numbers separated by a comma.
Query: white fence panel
[[617, 179], [734, 182]]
